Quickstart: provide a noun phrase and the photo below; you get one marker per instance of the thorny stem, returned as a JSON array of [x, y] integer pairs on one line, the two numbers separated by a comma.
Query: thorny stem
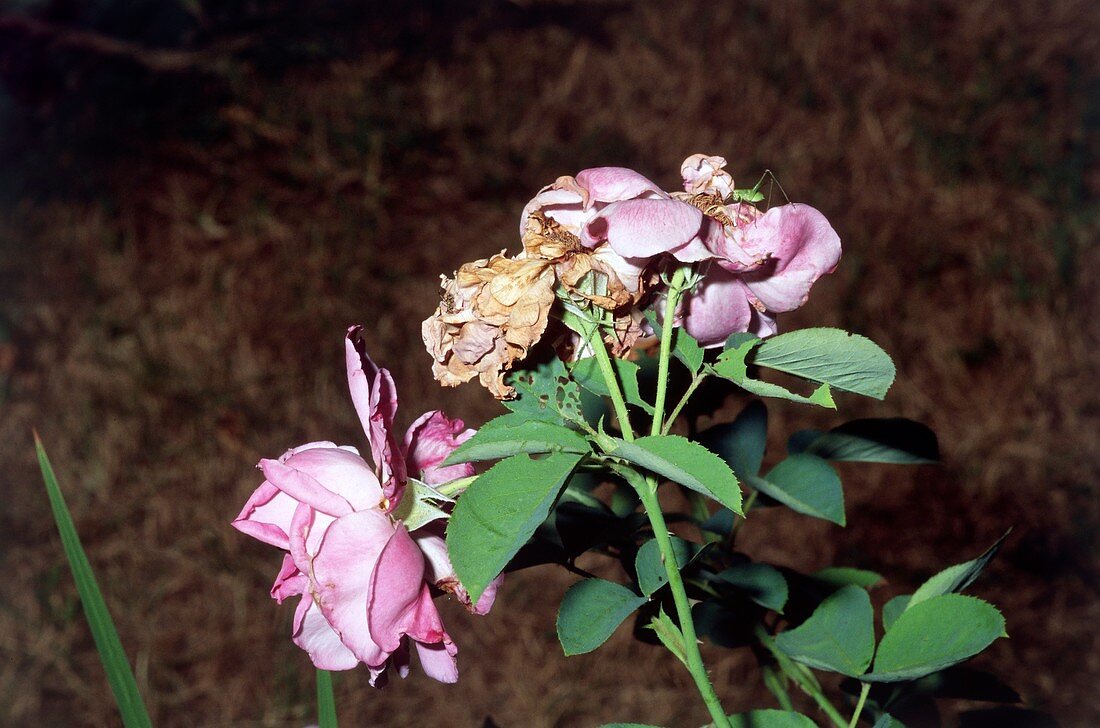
[[647, 491], [863, 690]]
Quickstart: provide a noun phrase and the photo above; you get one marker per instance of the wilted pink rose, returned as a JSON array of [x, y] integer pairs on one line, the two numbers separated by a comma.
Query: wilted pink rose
[[364, 579], [622, 208], [761, 263]]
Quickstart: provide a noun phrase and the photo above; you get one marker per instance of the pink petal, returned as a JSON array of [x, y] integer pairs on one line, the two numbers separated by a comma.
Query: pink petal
[[429, 441], [313, 634], [290, 582], [375, 400], [340, 471], [706, 174], [611, 184], [644, 228], [395, 590], [718, 308], [342, 574], [565, 206], [438, 661], [304, 488], [441, 572], [803, 247], [266, 516]]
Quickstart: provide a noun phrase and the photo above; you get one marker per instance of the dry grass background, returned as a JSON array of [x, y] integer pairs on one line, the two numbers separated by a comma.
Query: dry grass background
[[181, 318]]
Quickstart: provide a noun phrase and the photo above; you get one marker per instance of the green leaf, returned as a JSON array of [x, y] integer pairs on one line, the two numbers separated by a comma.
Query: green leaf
[[591, 611], [685, 462], [670, 635], [888, 721], [846, 361], [121, 679], [587, 373], [839, 576], [839, 636], [760, 582], [496, 515], [651, 569], [420, 505], [806, 484], [892, 609], [684, 347], [732, 365], [629, 725], [740, 443], [546, 393], [934, 634], [890, 440], [958, 577], [513, 434], [770, 718], [326, 701]]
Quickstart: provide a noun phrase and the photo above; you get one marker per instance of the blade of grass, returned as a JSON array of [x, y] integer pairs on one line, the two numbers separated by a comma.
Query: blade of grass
[[119, 675], [326, 701]]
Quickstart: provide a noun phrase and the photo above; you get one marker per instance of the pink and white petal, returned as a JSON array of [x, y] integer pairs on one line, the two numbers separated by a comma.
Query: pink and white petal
[[703, 173], [375, 401], [629, 270], [429, 441], [644, 228], [763, 324], [439, 570], [315, 635], [437, 560], [312, 445], [342, 574], [341, 472], [266, 516], [564, 205], [290, 581], [303, 487], [719, 307], [395, 591], [438, 661], [803, 247], [611, 184]]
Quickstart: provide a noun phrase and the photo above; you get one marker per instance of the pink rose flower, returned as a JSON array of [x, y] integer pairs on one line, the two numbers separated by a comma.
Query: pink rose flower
[[364, 579], [763, 262]]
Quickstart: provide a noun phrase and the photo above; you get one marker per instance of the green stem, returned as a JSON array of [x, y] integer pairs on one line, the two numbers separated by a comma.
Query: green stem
[[326, 701], [675, 288], [647, 492], [775, 685], [603, 360], [683, 607], [695, 382], [863, 690], [803, 678]]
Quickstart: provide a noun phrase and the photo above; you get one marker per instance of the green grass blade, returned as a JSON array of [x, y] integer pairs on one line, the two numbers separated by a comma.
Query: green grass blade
[[326, 701], [121, 679]]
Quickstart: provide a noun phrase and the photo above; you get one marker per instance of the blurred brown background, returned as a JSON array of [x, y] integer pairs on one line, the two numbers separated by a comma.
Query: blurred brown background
[[198, 197]]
